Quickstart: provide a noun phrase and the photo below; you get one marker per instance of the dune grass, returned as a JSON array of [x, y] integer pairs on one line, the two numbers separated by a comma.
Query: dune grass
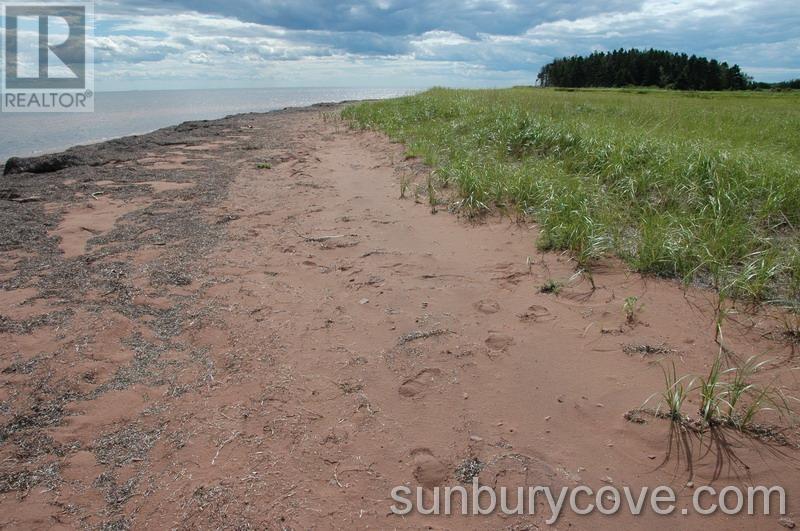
[[704, 187], [727, 397]]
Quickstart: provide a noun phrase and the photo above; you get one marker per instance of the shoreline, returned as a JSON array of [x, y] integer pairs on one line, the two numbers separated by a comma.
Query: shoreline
[[120, 114], [94, 143]]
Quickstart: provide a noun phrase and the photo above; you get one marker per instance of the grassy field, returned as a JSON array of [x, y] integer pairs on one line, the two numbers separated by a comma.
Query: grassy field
[[704, 187]]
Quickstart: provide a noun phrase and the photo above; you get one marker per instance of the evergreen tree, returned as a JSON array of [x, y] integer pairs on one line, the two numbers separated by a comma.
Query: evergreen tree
[[650, 68]]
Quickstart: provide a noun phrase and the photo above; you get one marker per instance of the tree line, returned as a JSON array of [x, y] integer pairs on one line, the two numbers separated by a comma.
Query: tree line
[[793, 84], [650, 68]]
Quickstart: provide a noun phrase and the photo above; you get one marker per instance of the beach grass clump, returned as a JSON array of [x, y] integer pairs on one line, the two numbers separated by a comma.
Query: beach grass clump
[[676, 391], [631, 308], [728, 396], [705, 189]]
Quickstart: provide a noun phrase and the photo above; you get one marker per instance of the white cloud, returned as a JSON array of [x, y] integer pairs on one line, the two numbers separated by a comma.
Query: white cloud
[[403, 43]]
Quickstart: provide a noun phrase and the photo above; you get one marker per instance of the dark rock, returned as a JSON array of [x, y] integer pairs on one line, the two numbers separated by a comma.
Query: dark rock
[[41, 164], [191, 126], [7, 194]]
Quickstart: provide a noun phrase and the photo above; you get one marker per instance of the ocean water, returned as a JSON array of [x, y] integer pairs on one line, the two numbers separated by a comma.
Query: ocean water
[[127, 113]]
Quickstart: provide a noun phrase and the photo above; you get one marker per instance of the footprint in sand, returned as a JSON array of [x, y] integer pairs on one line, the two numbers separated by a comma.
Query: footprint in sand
[[537, 314], [428, 471], [487, 306], [419, 383], [497, 341], [512, 470]]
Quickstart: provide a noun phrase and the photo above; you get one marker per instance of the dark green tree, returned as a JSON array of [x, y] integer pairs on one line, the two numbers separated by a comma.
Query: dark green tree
[[650, 68]]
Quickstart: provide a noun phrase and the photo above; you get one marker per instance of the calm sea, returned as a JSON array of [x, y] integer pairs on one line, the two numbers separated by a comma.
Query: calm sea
[[127, 113]]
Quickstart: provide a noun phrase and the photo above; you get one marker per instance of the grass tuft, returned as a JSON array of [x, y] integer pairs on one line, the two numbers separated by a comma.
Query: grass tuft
[[551, 286], [631, 309], [728, 397], [676, 390]]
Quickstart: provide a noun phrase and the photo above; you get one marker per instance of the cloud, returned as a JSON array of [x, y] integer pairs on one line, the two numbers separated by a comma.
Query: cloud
[[414, 43], [394, 17]]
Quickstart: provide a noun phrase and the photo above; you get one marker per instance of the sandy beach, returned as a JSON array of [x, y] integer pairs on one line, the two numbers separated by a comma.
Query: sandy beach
[[239, 324]]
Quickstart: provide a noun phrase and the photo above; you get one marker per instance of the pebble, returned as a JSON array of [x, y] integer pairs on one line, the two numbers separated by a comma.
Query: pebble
[[475, 438], [363, 301]]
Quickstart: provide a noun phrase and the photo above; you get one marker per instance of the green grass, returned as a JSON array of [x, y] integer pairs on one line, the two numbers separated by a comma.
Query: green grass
[[631, 309], [727, 397], [676, 391], [551, 286], [712, 394], [700, 186]]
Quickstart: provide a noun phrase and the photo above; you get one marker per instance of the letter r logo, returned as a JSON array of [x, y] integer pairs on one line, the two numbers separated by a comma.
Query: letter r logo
[[55, 45]]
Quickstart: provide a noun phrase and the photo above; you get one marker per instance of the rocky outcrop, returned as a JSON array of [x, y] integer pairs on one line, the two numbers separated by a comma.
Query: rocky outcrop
[[41, 164]]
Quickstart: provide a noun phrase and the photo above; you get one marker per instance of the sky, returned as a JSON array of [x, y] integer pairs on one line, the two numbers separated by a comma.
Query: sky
[[149, 44]]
